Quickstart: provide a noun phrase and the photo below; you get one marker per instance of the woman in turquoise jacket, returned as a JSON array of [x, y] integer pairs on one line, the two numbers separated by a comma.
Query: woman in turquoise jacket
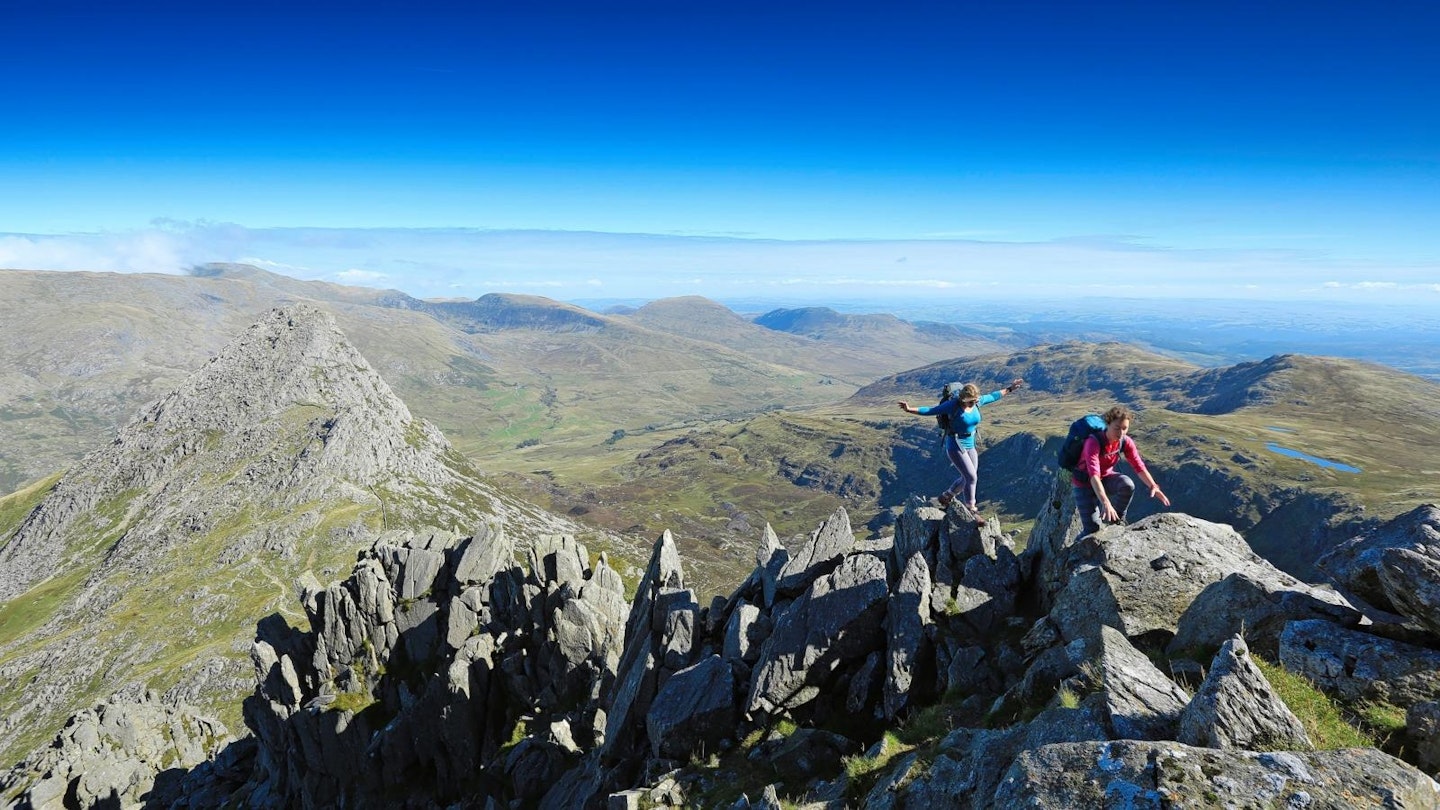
[[963, 412]]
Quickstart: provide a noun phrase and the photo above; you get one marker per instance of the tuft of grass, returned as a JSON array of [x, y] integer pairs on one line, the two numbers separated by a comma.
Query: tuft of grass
[[1067, 698], [353, 702], [1323, 721], [861, 770], [1387, 722]]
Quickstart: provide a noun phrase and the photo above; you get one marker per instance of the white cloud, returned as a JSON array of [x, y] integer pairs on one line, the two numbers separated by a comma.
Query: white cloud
[[557, 263], [279, 267], [131, 252], [360, 275]]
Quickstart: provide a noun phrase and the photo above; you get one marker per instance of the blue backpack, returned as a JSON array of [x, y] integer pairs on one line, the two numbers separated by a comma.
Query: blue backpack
[[1080, 430], [950, 391]]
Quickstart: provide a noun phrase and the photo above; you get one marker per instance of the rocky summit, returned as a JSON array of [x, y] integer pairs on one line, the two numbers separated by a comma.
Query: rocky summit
[[147, 564], [934, 668]]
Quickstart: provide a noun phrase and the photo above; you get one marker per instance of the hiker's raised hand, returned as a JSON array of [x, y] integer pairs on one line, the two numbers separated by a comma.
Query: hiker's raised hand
[[905, 406]]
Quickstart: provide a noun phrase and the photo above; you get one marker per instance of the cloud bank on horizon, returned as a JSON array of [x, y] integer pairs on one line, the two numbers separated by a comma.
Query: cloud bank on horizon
[[468, 263]]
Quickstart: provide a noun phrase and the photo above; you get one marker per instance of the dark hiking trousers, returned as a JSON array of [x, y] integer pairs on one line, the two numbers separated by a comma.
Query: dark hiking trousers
[[1118, 488]]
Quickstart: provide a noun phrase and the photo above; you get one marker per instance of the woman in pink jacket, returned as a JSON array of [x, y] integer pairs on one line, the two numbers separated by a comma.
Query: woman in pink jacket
[[1099, 490]]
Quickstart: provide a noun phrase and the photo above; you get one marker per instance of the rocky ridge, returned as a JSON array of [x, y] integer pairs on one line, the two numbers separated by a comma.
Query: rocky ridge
[[440, 673], [147, 563]]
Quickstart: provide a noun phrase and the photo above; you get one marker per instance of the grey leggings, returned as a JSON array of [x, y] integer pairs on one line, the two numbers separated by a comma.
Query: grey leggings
[[967, 461]]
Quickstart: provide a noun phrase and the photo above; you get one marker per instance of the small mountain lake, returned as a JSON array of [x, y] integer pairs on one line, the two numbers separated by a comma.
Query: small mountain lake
[[1323, 462]]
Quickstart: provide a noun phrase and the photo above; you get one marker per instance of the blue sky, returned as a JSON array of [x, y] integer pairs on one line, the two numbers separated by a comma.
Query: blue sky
[[644, 149]]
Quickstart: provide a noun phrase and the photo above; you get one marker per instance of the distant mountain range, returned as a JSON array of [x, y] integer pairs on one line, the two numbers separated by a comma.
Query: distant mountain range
[[684, 414], [86, 350]]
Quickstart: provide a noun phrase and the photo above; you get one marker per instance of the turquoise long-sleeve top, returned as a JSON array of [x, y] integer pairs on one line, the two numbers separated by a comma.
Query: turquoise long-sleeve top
[[963, 424]]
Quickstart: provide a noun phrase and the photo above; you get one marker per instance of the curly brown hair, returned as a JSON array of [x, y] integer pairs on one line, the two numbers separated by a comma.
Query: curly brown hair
[[1117, 413]]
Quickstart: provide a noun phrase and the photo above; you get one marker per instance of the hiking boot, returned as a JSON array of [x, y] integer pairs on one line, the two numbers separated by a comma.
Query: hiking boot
[[944, 499]]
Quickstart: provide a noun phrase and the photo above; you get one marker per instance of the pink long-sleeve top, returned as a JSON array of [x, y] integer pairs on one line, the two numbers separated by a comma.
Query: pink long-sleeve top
[[1095, 462]]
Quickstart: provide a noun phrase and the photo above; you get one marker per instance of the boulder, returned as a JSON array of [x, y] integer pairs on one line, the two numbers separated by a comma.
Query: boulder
[[1260, 607], [1412, 581], [479, 558], [1140, 701], [906, 617], [838, 619], [818, 556], [1355, 564], [1236, 707], [1134, 774], [1356, 667], [693, 711], [1143, 578]]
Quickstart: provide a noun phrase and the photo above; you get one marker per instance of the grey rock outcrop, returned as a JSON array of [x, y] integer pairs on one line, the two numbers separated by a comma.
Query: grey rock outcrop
[[1131, 774], [1236, 707], [118, 754], [1356, 667], [838, 619], [1412, 581], [346, 714], [1140, 701], [284, 446], [1356, 564], [1148, 579], [285, 450]]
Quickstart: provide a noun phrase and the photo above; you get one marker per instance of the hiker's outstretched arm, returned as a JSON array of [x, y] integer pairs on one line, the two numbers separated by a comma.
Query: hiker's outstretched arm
[[1154, 487]]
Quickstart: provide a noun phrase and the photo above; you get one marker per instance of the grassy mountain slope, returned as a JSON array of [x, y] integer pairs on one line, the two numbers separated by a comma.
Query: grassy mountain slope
[[1205, 433]]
